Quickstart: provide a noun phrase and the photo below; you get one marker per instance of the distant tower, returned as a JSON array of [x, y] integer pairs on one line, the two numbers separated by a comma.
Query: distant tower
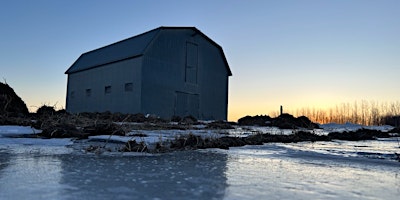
[[281, 110]]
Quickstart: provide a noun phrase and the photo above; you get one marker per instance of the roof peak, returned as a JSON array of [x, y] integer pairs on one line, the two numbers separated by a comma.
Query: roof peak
[[177, 27], [155, 29]]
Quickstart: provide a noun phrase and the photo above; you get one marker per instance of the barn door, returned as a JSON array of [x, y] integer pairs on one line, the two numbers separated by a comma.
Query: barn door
[[187, 104], [191, 63]]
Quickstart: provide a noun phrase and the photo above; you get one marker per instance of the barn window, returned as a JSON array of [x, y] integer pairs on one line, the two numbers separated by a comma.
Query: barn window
[[128, 87], [88, 92], [191, 63], [107, 89]]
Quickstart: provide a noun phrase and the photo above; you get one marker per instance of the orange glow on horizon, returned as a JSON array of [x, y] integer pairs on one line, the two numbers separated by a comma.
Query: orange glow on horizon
[[359, 112]]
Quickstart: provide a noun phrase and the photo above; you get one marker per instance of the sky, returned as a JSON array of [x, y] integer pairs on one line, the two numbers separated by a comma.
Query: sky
[[295, 53]]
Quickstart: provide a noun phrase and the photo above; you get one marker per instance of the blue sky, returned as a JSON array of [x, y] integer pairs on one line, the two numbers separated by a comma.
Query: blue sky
[[293, 53]]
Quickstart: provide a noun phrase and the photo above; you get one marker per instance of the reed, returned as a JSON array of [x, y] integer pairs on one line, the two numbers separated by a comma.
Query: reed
[[359, 112]]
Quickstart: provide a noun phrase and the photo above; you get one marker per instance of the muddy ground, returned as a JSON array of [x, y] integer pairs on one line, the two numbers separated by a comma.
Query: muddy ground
[[63, 125]]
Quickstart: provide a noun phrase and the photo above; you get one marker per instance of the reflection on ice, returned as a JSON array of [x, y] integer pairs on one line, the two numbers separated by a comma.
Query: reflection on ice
[[35, 177], [58, 169], [383, 148], [287, 177], [179, 175], [273, 171]]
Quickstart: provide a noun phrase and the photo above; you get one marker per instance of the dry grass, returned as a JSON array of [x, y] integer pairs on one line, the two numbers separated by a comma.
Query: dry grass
[[360, 112]]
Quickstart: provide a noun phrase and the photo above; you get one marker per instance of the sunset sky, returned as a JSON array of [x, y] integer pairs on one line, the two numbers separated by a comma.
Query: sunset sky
[[295, 53]]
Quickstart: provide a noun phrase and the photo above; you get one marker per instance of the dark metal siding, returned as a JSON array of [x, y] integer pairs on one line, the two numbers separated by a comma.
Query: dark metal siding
[[165, 82], [107, 88]]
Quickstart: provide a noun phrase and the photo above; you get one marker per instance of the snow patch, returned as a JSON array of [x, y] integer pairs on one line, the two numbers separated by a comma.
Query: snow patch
[[17, 130]]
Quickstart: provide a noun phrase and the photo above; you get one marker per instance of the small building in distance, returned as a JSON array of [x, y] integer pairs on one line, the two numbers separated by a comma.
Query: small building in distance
[[167, 71]]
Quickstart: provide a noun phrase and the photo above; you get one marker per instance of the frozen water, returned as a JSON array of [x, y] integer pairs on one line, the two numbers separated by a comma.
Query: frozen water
[[32, 168], [179, 175], [272, 171], [275, 172], [352, 127], [17, 130]]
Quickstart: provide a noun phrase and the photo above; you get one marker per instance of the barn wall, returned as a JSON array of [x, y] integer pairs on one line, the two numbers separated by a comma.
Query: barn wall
[[184, 74], [213, 73], [164, 73], [87, 92]]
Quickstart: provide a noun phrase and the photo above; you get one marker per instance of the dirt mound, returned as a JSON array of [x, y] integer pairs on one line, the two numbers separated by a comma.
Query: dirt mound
[[10, 102], [287, 121], [219, 125], [284, 121], [45, 110], [361, 134], [392, 121], [260, 120], [64, 125]]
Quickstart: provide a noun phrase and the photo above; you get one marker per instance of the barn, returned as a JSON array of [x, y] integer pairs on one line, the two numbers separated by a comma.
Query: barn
[[167, 71]]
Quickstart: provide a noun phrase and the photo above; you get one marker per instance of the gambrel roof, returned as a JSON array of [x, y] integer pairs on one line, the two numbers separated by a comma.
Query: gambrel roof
[[127, 49]]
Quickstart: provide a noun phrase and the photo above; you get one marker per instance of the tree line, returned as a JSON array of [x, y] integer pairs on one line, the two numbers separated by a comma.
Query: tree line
[[359, 112]]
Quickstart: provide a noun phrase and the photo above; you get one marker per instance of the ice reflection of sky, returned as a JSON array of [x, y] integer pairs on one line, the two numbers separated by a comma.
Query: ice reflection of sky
[[38, 168], [272, 171], [382, 148], [255, 175], [31, 177], [180, 175]]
